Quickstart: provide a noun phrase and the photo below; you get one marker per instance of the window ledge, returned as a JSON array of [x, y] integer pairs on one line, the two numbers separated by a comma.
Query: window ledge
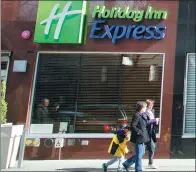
[[188, 136], [71, 135], [74, 136]]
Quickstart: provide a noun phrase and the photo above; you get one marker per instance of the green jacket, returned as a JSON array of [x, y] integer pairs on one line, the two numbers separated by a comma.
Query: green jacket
[[42, 115]]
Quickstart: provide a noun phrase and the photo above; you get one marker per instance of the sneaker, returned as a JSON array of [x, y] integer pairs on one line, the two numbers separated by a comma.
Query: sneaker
[[132, 169], [126, 169], [104, 168], [152, 166]]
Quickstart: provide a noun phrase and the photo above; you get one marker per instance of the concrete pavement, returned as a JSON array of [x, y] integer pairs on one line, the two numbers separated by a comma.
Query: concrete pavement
[[95, 165]]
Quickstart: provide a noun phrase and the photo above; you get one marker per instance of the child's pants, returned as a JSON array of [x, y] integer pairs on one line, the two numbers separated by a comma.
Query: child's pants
[[115, 159]]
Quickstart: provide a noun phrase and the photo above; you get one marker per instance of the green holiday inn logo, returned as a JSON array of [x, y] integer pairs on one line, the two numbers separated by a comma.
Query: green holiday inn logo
[[60, 22]]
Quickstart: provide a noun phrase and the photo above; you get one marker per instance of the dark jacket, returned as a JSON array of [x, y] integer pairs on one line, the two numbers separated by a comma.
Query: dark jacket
[[139, 125], [54, 114], [151, 127], [42, 115]]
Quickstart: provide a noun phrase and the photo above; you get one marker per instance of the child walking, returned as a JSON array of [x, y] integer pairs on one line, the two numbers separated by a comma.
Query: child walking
[[118, 148]]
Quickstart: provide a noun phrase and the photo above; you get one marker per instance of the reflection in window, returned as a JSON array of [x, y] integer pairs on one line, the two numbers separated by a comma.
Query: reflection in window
[[86, 101], [3, 65]]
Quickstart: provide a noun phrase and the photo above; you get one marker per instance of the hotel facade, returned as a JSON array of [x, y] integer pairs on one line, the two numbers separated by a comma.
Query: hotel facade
[[96, 59]]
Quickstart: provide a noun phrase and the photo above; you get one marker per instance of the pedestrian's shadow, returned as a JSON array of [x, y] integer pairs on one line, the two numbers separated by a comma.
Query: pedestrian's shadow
[[85, 170]]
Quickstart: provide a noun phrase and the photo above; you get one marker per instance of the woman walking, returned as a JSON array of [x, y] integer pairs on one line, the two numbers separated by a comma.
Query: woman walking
[[151, 145], [139, 136]]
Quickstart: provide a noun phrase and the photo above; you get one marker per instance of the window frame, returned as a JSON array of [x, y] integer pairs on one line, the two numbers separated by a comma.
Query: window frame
[[186, 135], [84, 135], [5, 57]]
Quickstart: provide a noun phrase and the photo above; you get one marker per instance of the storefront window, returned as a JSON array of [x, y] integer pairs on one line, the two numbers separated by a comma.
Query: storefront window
[[80, 93], [189, 127]]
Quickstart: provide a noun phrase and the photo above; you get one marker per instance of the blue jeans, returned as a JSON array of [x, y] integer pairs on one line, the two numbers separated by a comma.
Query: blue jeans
[[129, 162], [137, 158], [140, 151]]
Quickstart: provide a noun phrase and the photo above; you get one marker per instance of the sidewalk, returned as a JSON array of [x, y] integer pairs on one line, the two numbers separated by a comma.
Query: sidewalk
[[95, 165]]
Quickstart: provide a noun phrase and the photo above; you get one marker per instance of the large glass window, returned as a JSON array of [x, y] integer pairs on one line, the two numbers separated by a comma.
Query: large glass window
[[80, 93], [189, 127]]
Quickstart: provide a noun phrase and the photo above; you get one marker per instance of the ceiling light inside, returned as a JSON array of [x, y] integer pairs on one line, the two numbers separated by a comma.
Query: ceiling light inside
[[127, 61], [153, 75]]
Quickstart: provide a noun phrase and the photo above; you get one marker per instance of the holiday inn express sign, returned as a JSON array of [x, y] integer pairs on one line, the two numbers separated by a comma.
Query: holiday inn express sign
[[120, 31], [60, 22], [64, 22]]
